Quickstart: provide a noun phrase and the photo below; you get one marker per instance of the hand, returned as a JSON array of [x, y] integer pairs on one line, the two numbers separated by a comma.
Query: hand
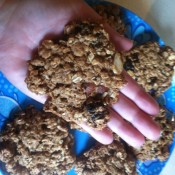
[[26, 23]]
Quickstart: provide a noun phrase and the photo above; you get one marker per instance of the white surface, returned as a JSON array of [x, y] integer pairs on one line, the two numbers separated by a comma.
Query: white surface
[[169, 168], [160, 14]]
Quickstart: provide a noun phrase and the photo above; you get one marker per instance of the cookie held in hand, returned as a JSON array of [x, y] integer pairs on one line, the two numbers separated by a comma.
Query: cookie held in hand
[[79, 74]]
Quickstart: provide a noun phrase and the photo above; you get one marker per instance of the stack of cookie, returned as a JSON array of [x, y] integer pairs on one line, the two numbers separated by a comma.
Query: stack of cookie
[[79, 76]]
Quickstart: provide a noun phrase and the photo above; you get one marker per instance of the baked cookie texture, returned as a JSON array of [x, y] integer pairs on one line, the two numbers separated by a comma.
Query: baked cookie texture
[[36, 143], [158, 149], [79, 73], [151, 66], [110, 159], [112, 15]]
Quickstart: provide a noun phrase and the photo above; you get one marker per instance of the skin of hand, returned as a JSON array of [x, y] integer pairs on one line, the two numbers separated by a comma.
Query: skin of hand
[[24, 24]]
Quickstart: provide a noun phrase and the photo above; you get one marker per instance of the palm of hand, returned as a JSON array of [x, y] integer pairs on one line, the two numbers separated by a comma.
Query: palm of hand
[[28, 24], [32, 21]]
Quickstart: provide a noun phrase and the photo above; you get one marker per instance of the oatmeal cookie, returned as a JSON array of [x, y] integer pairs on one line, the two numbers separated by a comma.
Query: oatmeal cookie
[[158, 149], [78, 73], [112, 15], [151, 66], [35, 143], [110, 159]]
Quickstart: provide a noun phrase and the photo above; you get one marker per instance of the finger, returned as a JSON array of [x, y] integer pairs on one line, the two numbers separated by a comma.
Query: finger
[[137, 94], [125, 130], [103, 136], [121, 43], [138, 118]]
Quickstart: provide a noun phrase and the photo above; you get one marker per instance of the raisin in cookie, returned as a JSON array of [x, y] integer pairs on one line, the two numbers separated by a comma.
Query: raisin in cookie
[[112, 15], [151, 66], [110, 159], [78, 73], [35, 143], [158, 149]]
